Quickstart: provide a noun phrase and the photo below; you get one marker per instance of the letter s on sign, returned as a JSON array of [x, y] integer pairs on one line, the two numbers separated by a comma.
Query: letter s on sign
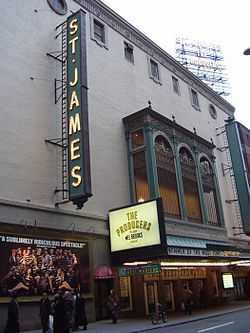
[[76, 176], [73, 26]]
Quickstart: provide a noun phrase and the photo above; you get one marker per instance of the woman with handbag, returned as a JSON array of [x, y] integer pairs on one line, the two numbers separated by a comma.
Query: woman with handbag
[[113, 306]]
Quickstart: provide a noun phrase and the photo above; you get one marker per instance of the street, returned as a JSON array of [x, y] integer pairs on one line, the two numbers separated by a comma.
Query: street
[[229, 323]]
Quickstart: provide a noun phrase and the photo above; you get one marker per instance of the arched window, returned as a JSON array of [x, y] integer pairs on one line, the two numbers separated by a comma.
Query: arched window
[[140, 170], [209, 192], [167, 176], [190, 186], [140, 177]]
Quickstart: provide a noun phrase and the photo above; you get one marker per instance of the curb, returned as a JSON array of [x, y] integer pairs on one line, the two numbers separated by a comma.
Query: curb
[[192, 320]]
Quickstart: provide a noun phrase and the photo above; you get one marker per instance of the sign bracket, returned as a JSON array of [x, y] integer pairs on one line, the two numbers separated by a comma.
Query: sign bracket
[[56, 142], [56, 55]]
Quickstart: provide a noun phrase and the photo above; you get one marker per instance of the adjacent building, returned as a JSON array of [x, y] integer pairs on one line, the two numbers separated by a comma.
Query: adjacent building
[[238, 146], [95, 116]]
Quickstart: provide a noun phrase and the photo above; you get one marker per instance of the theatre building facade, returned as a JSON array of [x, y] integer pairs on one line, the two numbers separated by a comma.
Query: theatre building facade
[[111, 176], [193, 249]]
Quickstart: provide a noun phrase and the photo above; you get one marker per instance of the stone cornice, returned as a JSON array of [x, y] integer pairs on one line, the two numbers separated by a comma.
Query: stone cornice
[[112, 19], [50, 209], [14, 214]]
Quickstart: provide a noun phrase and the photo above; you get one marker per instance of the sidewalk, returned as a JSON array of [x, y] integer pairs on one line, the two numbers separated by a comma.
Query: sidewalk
[[143, 325]]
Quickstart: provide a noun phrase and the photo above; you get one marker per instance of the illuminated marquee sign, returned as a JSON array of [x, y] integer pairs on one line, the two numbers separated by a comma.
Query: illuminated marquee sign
[[136, 226], [141, 270], [191, 252], [77, 107]]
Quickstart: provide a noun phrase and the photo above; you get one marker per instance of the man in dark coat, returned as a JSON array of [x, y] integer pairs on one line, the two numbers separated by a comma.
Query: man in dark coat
[[12, 325], [60, 319], [80, 313], [188, 300], [45, 310], [69, 307]]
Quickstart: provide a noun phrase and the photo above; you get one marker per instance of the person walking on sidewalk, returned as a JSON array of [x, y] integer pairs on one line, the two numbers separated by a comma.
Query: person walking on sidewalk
[[45, 310], [113, 306], [69, 307], [60, 320], [12, 325], [80, 313], [188, 300]]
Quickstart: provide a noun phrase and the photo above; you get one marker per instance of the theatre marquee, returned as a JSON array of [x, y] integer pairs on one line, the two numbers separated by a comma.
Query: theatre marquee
[[136, 229]]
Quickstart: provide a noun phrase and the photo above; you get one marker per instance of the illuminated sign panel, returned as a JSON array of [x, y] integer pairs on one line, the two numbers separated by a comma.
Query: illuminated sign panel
[[135, 226], [227, 279], [77, 107], [150, 269]]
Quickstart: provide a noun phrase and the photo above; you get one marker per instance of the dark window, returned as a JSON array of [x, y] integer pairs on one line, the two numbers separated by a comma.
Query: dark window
[[212, 111], [209, 193], [99, 31], [154, 70], [190, 185], [176, 86], [137, 139], [140, 176], [167, 177], [59, 6], [129, 52], [194, 99]]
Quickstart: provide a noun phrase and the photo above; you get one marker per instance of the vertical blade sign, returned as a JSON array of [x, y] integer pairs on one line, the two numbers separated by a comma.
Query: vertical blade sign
[[77, 108]]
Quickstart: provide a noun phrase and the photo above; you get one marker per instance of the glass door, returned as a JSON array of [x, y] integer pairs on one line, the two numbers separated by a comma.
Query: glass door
[[151, 296], [168, 296]]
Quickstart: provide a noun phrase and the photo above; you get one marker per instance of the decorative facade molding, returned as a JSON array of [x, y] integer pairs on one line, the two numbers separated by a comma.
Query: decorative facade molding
[[48, 209], [195, 230], [174, 133], [116, 22]]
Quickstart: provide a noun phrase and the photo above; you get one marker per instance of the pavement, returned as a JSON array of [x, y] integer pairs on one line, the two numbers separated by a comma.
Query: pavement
[[128, 325]]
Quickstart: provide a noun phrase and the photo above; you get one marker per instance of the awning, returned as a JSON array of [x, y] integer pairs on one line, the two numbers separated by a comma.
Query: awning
[[103, 272]]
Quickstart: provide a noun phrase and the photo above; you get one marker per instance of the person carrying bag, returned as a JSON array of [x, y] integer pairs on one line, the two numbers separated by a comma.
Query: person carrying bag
[[113, 306]]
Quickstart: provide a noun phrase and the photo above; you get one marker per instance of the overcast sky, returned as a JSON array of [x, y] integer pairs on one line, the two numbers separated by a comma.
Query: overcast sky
[[222, 22]]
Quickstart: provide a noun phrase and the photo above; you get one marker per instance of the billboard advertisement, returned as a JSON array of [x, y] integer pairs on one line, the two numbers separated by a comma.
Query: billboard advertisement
[[31, 266]]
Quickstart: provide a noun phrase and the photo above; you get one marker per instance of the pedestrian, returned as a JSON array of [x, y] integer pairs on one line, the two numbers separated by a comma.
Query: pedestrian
[[12, 325], [113, 306], [188, 300], [69, 307], [203, 297], [60, 320], [80, 313], [45, 310]]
